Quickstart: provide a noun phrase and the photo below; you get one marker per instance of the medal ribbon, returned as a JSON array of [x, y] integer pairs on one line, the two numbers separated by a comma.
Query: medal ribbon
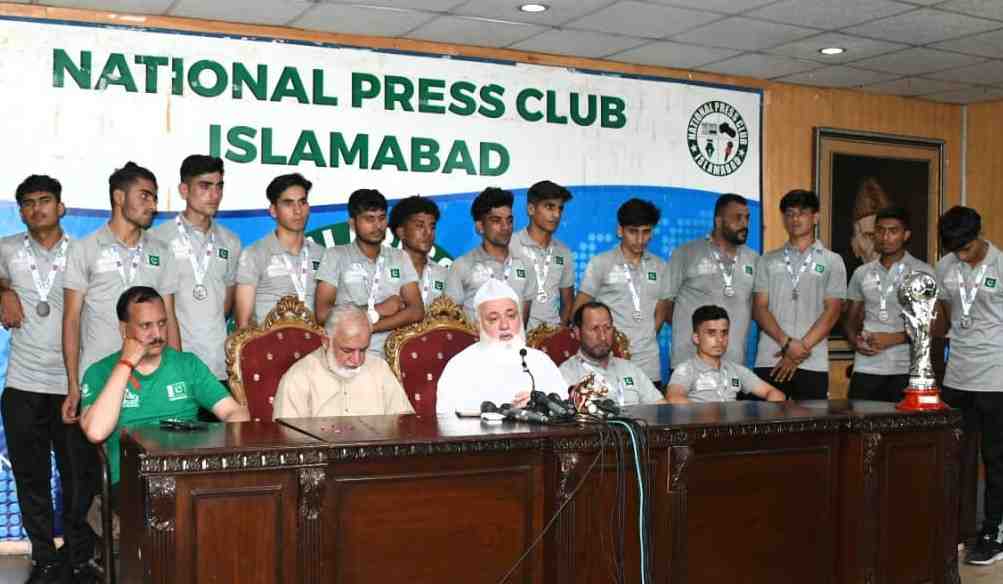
[[43, 287], [728, 275], [507, 271], [377, 278], [795, 278], [426, 284], [200, 264], [299, 280], [967, 293], [541, 272], [134, 255], [883, 292], [635, 296]]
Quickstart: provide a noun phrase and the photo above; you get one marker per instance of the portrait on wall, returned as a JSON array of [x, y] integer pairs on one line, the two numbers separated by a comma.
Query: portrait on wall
[[858, 174]]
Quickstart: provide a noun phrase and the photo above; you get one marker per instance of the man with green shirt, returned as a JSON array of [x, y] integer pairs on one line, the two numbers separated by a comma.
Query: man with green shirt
[[147, 381]]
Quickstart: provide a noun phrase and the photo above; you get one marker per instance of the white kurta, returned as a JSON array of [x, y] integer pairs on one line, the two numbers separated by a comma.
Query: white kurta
[[482, 373]]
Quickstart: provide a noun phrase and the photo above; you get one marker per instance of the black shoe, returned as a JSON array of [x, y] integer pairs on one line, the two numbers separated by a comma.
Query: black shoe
[[45, 573], [987, 549], [85, 574]]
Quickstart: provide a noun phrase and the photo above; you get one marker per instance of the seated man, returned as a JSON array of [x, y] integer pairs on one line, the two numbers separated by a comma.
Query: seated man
[[492, 368], [339, 379], [593, 328], [708, 377], [147, 381]]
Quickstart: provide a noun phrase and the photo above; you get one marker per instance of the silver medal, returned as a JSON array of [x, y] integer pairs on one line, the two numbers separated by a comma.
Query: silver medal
[[638, 316], [966, 321], [794, 294], [200, 292], [883, 315], [729, 291], [542, 296], [43, 309]]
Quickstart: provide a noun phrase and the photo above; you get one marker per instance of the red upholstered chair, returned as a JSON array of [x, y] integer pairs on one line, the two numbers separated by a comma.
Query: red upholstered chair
[[258, 356], [418, 353], [559, 344]]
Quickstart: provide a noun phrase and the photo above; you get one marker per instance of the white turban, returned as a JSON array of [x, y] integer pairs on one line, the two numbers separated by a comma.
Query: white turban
[[494, 289]]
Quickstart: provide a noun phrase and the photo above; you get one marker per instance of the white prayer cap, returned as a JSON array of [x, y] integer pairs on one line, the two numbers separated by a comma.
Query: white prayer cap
[[494, 289]]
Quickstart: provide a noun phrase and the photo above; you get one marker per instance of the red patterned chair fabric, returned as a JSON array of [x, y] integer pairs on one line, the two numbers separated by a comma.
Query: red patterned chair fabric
[[418, 353], [258, 356], [560, 345]]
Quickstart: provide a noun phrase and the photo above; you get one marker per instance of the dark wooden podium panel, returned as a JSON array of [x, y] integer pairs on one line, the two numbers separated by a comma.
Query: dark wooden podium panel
[[743, 492]]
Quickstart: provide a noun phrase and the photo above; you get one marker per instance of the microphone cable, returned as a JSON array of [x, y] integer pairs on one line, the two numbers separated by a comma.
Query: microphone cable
[[546, 528]]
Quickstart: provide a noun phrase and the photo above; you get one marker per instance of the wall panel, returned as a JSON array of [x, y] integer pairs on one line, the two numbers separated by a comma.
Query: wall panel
[[984, 173]]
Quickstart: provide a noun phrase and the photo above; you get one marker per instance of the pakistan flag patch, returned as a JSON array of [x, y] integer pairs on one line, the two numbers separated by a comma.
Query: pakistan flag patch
[[559, 260], [652, 276], [734, 382], [748, 269], [819, 268], [154, 260], [439, 285], [395, 273], [316, 265], [520, 273], [628, 381], [224, 254], [990, 282]]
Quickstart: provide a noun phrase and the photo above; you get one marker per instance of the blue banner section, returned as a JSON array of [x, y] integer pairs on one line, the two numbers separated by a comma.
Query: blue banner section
[[588, 228]]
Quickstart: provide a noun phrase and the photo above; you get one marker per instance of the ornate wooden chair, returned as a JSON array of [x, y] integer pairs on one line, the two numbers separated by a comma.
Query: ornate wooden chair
[[559, 344], [258, 355], [418, 353]]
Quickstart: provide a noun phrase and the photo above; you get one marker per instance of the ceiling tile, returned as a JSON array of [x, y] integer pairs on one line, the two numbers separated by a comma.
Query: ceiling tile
[[669, 54], [560, 11], [722, 6], [578, 43], [972, 95], [760, 66], [923, 26], [989, 44], [275, 12], [916, 61], [982, 8], [837, 76], [988, 72], [856, 48], [643, 20], [744, 34], [423, 5], [364, 20], [914, 86], [133, 6], [829, 14], [474, 31]]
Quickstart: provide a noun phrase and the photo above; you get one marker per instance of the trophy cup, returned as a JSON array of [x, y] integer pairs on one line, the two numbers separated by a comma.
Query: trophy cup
[[587, 393], [918, 297]]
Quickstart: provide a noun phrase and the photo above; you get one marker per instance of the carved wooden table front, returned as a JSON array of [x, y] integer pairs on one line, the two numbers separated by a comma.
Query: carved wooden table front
[[741, 492]]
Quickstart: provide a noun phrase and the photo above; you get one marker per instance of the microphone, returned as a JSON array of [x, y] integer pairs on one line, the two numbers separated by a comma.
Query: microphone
[[608, 406], [529, 416], [488, 406], [522, 353], [546, 402]]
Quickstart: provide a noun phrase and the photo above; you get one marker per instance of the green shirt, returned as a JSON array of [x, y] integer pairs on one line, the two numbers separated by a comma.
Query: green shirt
[[176, 389]]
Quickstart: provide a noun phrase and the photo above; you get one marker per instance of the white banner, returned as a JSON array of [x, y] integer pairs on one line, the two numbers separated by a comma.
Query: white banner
[[81, 100]]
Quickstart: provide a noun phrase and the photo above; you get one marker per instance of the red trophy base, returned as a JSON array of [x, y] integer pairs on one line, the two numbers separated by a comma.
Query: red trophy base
[[921, 400]]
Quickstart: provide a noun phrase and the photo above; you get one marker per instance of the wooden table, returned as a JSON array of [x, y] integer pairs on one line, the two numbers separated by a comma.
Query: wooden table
[[741, 492]]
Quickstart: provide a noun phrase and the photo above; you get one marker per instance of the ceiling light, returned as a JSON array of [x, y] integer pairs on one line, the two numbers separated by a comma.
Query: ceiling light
[[534, 7], [832, 51]]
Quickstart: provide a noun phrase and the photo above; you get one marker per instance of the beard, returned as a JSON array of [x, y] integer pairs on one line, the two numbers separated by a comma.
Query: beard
[[339, 371], [518, 341], [735, 237]]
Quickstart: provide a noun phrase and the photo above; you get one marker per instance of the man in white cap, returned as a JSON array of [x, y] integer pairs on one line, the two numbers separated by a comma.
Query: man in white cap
[[492, 368]]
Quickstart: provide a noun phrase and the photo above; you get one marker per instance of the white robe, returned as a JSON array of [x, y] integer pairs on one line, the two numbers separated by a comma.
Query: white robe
[[482, 373]]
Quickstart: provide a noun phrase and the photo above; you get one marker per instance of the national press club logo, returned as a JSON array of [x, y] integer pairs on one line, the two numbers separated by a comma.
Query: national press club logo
[[717, 138]]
